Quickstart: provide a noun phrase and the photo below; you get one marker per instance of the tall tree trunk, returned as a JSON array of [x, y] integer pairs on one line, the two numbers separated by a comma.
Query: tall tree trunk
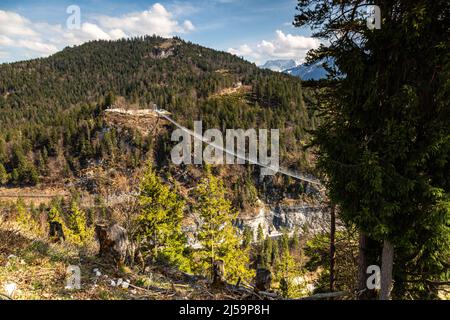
[[362, 266], [387, 261], [332, 246]]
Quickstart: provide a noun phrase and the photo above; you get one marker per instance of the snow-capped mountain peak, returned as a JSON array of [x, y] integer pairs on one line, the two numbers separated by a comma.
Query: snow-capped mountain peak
[[279, 65], [303, 71]]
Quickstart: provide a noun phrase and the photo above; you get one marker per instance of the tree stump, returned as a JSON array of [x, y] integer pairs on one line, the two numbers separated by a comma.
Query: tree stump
[[113, 242], [56, 232], [218, 273], [263, 279]]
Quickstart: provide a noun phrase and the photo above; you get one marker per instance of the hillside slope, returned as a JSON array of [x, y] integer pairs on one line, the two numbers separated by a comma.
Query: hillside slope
[[51, 108], [59, 139]]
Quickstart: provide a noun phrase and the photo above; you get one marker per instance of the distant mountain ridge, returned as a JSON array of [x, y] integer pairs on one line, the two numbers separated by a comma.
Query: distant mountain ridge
[[302, 71], [279, 65], [52, 108], [308, 72]]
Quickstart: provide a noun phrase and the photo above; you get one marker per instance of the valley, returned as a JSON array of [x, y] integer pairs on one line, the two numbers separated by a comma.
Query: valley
[[85, 159], [142, 167]]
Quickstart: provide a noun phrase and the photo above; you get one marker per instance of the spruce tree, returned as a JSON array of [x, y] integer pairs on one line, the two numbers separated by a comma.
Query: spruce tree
[[77, 224], [4, 177], [159, 222], [383, 141], [217, 235]]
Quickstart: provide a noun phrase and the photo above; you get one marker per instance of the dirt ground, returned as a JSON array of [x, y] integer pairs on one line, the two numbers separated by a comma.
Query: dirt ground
[[35, 195]]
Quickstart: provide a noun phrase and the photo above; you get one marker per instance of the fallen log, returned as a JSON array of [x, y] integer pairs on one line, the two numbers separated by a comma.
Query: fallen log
[[327, 295], [4, 297]]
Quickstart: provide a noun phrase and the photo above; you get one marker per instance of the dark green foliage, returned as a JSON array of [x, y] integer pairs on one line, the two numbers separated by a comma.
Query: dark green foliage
[[52, 108], [159, 222], [247, 237], [3, 175], [384, 140]]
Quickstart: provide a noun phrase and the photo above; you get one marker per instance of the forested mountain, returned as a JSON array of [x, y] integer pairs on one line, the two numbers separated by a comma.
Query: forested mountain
[[51, 107], [56, 134], [376, 130], [87, 181]]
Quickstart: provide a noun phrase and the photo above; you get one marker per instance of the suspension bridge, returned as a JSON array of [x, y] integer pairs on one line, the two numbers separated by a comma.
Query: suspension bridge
[[285, 171]]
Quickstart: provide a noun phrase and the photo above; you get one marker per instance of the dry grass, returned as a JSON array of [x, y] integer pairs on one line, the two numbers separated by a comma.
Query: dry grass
[[38, 269]]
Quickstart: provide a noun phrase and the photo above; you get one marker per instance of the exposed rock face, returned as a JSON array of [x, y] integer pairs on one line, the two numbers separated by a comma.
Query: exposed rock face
[[298, 216], [263, 219], [277, 219], [274, 220], [160, 53]]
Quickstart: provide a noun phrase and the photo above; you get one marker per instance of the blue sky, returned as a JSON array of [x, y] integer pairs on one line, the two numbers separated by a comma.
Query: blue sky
[[256, 29]]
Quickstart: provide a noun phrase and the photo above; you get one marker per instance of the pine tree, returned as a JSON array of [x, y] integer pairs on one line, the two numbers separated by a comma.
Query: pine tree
[[268, 252], [54, 214], [383, 141], [4, 177], [275, 253], [15, 177], [248, 237], [77, 224], [295, 240], [287, 270], [24, 217], [260, 235], [217, 235], [159, 222]]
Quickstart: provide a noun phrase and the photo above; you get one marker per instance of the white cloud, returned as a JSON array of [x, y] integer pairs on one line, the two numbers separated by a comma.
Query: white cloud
[[296, 42], [43, 48], [13, 24], [188, 25], [284, 46], [22, 38], [94, 32], [183, 8], [243, 50], [5, 41], [156, 20], [17, 32], [117, 34]]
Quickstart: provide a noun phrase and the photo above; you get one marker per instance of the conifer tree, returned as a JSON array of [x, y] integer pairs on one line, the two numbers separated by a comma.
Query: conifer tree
[[267, 252], [295, 240], [77, 224], [247, 236], [217, 235], [159, 222], [260, 235], [287, 270], [4, 177], [383, 141]]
